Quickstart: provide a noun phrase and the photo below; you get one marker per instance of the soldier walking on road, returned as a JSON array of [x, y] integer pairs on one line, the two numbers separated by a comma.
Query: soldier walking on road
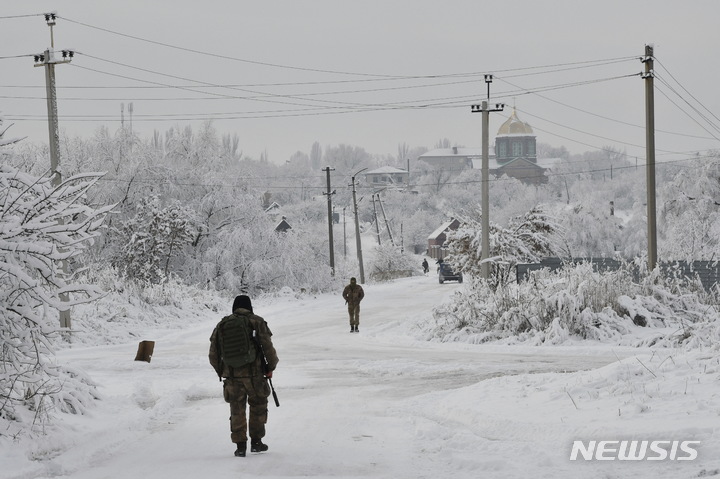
[[353, 294], [242, 352]]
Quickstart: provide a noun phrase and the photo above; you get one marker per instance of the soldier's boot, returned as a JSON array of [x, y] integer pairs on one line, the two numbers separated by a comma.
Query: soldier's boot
[[256, 445], [241, 449]]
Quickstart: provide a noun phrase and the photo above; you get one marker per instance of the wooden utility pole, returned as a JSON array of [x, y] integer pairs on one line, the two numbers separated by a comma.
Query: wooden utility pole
[[330, 219], [650, 153], [387, 224], [485, 209], [344, 234], [48, 60], [358, 243], [377, 223]]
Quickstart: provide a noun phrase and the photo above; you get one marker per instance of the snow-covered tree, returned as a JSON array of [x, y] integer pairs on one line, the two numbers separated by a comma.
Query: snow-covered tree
[[527, 238], [346, 159], [155, 236], [41, 227], [689, 213], [590, 231]]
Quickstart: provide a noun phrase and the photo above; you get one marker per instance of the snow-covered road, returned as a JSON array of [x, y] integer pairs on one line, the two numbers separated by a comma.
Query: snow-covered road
[[378, 404]]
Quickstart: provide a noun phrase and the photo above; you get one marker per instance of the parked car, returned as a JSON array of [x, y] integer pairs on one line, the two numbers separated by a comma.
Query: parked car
[[446, 273]]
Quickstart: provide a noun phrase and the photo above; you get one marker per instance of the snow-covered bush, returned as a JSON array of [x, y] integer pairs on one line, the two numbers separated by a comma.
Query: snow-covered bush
[[131, 309], [41, 227], [388, 262], [576, 301]]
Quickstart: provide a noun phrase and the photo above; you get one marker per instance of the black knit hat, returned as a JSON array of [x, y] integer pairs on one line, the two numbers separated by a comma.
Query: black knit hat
[[242, 301]]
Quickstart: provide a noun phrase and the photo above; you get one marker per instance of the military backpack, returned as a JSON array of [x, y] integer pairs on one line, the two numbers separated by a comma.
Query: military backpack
[[235, 341]]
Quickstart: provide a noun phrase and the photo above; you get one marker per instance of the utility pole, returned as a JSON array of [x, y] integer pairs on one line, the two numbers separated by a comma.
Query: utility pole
[[387, 225], [130, 112], [48, 60], [377, 223], [408, 180], [344, 234], [122, 128], [358, 243], [330, 228], [650, 153], [483, 108]]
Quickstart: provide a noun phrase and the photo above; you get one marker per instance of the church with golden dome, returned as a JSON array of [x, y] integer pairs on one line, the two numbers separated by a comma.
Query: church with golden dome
[[515, 151], [514, 154]]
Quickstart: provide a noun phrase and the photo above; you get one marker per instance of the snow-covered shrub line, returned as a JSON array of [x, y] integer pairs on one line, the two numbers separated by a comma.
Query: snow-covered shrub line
[[578, 302]]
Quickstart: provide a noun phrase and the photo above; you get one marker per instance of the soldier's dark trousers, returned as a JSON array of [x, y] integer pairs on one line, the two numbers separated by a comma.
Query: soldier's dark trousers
[[354, 312], [241, 392]]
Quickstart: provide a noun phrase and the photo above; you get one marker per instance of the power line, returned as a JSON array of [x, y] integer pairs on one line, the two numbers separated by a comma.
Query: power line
[[449, 101], [325, 82], [581, 131], [614, 120], [225, 57], [17, 56], [578, 67], [22, 16], [347, 107], [475, 78], [686, 90], [255, 98], [343, 107], [237, 87], [695, 109], [259, 96], [317, 70], [702, 115]]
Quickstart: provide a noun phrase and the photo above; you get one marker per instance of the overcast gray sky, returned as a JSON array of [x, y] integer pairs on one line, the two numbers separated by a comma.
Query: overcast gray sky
[[283, 74]]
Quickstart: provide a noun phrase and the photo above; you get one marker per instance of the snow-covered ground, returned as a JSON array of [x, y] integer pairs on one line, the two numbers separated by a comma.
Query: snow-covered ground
[[378, 404]]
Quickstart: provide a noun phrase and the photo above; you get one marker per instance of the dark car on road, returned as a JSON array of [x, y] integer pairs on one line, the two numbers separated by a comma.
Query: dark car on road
[[446, 273]]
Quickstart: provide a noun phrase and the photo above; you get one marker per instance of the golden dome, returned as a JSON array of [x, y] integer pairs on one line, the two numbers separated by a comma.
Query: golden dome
[[514, 126]]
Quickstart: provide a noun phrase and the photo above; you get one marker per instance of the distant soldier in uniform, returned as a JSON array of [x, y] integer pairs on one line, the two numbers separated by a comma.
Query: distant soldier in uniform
[[244, 384], [353, 294]]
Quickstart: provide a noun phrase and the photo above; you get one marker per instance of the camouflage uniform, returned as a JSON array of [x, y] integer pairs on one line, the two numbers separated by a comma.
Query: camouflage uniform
[[353, 294], [246, 385]]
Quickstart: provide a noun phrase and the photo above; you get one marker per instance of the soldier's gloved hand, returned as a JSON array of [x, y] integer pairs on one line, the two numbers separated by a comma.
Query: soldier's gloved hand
[[268, 374]]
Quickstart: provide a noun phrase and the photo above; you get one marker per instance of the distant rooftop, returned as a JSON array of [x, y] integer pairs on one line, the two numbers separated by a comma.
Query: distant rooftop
[[385, 170]]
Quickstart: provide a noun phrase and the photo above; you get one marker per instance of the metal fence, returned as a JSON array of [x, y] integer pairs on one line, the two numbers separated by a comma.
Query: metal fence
[[708, 272]]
